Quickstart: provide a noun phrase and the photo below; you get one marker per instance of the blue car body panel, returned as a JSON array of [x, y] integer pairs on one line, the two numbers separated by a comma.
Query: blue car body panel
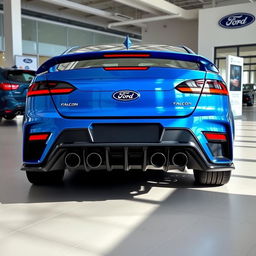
[[92, 103]]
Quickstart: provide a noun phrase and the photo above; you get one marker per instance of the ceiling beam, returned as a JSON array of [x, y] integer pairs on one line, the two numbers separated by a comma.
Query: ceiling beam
[[83, 8], [169, 8], [172, 11], [87, 9], [143, 20], [138, 6]]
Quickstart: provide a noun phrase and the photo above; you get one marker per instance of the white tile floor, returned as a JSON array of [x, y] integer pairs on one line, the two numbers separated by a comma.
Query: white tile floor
[[128, 214]]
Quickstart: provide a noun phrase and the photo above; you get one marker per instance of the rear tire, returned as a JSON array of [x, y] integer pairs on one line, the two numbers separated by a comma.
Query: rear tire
[[9, 117], [45, 178], [212, 178]]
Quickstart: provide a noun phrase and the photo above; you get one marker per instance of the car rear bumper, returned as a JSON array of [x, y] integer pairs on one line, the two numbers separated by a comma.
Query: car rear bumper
[[119, 150], [13, 111]]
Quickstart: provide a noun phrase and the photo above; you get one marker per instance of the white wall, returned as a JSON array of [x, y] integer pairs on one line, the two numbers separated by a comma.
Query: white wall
[[172, 32], [210, 34]]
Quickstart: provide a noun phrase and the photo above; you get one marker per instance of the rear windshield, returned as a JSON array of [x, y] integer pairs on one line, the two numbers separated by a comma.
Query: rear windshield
[[20, 76], [129, 62]]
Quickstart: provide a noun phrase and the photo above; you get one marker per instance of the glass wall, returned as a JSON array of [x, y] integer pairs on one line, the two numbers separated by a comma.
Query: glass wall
[[1, 32], [52, 39], [44, 39], [29, 36], [79, 37], [248, 52]]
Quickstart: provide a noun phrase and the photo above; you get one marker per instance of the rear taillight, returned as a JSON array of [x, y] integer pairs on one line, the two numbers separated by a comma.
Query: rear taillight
[[8, 86], [39, 136], [50, 87], [215, 136], [204, 87]]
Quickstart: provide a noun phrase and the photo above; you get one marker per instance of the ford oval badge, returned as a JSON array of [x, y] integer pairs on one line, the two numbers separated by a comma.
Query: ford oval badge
[[28, 60], [126, 95], [236, 20]]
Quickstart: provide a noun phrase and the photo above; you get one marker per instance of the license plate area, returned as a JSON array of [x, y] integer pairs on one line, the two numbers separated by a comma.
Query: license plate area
[[126, 133]]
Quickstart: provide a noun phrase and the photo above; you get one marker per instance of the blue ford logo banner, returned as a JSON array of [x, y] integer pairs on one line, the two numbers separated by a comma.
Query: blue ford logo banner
[[236, 20], [28, 60], [126, 95]]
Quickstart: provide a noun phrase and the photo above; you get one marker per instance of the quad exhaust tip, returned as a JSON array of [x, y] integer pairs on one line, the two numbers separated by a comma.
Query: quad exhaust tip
[[158, 159], [180, 159], [72, 160], [94, 160]]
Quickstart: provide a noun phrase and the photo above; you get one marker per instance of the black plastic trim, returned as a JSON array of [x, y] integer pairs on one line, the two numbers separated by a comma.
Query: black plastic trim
[[176, 139]]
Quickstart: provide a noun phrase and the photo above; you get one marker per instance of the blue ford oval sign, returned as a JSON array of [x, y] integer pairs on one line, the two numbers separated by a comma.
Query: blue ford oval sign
[[28, 60], [236, 20], [126, 95]]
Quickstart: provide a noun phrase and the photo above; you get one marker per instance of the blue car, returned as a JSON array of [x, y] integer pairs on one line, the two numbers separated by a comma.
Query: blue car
[[13, 89], [149, 107]]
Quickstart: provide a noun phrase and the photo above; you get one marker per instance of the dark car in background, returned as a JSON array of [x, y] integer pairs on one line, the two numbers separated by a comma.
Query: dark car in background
[[13, 89], [248, 94]]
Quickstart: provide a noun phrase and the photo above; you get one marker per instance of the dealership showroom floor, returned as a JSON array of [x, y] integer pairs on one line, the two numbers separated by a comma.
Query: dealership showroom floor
[[128, 213]]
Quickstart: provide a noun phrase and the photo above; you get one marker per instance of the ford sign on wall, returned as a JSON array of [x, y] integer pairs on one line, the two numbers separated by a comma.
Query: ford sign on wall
[[236, 20]]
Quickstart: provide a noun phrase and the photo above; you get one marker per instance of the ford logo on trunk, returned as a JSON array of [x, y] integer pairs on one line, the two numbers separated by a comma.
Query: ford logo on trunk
[[126, 95], [236, 20]]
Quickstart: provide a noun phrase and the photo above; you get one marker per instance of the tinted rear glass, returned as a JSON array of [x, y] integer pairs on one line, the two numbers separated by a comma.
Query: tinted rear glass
[[20, 76], [129, 62]]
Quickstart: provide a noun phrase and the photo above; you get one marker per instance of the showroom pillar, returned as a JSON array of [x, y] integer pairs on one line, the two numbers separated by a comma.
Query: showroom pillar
[[12, 30]]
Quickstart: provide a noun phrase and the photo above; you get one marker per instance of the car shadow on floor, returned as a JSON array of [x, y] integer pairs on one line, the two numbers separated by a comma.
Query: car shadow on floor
[[80, 186], [8, 123]]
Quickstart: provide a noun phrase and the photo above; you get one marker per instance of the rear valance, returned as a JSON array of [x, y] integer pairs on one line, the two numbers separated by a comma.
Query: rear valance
[[204, 63]]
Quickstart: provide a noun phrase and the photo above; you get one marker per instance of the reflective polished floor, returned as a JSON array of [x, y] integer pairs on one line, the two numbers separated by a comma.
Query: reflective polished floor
[[128, 213]]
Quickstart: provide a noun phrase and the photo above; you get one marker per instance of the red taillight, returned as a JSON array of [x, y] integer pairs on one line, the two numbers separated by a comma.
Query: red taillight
[[41, 136], [139, 55], [61, 91], [215, 87], [8, 86], [209, 87], [214, 136], [50, 87], [125, 68]]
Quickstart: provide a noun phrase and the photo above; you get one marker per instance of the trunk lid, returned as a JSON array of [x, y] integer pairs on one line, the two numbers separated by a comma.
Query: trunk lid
[[104, 93]]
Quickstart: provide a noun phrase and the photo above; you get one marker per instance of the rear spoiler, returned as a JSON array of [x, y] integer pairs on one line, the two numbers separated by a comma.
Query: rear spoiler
[[205, 64]]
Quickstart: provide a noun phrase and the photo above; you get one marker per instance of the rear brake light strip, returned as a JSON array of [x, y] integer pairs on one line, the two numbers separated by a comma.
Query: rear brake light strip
[[126, 55], [125, 68]]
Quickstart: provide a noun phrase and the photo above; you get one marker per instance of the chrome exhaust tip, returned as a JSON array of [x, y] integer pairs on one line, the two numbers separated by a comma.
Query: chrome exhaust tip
[[94, 160], [72, 160], [158, 159]]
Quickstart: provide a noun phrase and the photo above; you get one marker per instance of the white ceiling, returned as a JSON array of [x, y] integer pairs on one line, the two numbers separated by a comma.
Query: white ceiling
[[125, 15]]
